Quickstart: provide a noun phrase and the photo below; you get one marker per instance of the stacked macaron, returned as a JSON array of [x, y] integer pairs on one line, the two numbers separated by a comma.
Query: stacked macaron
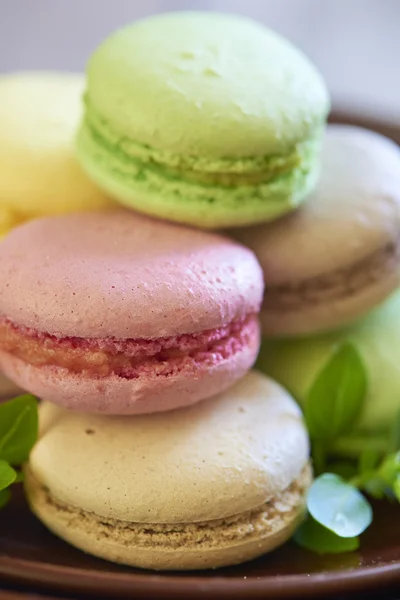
[[158, 448], [330, 271], [205, 119], [118, 319]]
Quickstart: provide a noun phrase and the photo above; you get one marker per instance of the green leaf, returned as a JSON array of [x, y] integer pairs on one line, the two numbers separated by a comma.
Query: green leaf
[[390, 468], [376, 488], [5, 496], [315, 537], [368, 461], [352, 444], [7, 475], [380, 482], [395, 435], [18, 428], [319, 456], [336, 397], [338, 506], [344, 469]]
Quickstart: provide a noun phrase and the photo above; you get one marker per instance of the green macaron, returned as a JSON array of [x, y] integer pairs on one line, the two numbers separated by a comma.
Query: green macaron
[[295, 363], [203, 118]]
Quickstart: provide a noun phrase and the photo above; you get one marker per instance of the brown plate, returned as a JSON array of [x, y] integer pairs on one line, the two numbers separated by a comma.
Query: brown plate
[[31, 557]]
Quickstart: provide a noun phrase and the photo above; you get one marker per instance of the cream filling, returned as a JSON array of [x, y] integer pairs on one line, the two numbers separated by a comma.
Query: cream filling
[[344, 282], [266, 519]]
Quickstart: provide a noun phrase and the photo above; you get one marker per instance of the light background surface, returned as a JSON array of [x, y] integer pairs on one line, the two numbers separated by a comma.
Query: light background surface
[[355, 43]]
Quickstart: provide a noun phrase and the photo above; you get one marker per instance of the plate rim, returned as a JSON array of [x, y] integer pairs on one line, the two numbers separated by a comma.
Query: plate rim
[[121, 585]]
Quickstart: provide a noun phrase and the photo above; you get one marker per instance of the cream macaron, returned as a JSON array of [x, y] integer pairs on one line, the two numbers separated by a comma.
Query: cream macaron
[[39, 174], [214, 484], [338, 256]]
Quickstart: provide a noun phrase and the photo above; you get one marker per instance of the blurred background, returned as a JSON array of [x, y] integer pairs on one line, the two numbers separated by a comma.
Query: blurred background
[[355, 43]]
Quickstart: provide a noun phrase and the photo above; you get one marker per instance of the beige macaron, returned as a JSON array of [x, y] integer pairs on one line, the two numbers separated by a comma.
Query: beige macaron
[[338, 256], [215, 484]]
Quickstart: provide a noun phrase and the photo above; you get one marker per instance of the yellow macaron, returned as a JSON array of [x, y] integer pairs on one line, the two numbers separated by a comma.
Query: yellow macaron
[[39, 175]]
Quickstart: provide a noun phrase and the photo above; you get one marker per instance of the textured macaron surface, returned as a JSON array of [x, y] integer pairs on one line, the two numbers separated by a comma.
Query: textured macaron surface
[[113, 312], [353, 213], [207, 111], [228, 87], [219, 458], [122, 275], [39, 174]]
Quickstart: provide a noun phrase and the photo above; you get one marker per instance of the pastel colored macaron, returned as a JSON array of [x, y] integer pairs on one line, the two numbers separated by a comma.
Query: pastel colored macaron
[[295, 363], [39, 174], [214, 484], [114, 312], [338, 256], [202, 118]]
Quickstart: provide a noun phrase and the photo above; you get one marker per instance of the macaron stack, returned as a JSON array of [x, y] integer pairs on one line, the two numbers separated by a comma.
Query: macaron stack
[[330, 271], [162, 453], [159, 448]]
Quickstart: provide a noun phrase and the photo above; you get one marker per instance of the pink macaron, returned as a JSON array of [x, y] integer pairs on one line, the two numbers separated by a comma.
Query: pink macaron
[[120, 314]]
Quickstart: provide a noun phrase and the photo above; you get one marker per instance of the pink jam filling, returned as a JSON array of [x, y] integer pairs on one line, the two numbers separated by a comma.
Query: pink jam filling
[[129, 358]]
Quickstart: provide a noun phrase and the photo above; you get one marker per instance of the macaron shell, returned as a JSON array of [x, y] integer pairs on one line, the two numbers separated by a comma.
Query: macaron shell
[[353, 212], [346, 237], [39, 175], [186, 552], [145, 394], [111, 277], [348, 302], [228, 86], [176, 197], [218, 458], [122, 275], [296, 362]]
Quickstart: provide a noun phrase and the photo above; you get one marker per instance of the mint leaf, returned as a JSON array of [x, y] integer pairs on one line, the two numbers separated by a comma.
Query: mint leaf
[[380, 482], [5, 496], [18, 428], [319, 456], [352, 444], [376, 488], [315, 537], [336, 397], [345, 469], [338, 506], [389, 469], [7, 475], [18, 433], [368, 461]]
